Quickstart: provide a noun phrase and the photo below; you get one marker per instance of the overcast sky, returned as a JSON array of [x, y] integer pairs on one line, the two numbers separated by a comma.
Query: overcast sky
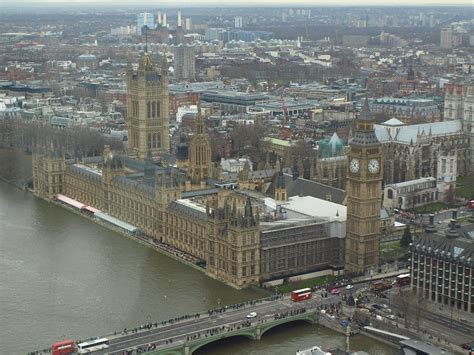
[[294, 3]]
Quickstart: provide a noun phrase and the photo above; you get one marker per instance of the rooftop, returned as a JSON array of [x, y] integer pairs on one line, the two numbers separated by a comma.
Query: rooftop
[[315, 207]]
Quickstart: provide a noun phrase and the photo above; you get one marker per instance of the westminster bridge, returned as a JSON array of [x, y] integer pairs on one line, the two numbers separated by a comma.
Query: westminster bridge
[[187, 334]]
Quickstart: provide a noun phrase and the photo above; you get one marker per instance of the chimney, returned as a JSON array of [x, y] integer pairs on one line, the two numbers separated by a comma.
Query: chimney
[[431, 227], [453, 231], [158, 18], [163, 21]]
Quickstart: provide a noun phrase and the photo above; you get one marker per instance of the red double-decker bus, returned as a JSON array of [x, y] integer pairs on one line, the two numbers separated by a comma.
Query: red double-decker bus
[[63, 347], [301, 295], [403, 280]]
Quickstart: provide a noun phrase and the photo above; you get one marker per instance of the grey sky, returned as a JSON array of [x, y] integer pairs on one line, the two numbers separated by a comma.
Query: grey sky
[[294, 3]]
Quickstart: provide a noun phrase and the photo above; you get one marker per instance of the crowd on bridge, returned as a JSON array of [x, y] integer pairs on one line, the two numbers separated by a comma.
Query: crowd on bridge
[[291, 313], [163, 323], [331, 308], [219, 330]]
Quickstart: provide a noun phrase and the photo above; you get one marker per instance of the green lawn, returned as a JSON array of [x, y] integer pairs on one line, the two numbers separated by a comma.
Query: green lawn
[[392, 251], [305, 283], [465, 187]]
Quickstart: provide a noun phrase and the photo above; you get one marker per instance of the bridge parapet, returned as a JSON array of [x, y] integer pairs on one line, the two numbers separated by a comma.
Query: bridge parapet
[[254, 331]]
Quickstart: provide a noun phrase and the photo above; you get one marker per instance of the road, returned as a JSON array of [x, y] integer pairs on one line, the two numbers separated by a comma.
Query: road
[[439, 218], [432, 321], [179, 331]]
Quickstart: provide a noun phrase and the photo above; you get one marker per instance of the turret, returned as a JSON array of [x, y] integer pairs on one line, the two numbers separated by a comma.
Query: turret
[[281, 193]]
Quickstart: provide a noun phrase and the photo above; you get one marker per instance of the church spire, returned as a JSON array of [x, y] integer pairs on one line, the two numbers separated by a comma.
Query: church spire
[[164, 66], [364, 132], [365, 113]]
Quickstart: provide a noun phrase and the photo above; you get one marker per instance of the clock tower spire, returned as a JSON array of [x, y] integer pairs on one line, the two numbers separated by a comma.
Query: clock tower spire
[[364, 188]]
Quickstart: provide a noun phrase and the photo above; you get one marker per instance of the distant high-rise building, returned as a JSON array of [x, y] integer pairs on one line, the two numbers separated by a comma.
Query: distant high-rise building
[[238, 21], [188, 24], [184, 62], [213, 34], [145, 19], [432, 21], [446, 41]]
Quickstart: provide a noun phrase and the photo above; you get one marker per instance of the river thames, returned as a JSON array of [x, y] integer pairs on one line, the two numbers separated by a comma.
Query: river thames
[[62, 276]]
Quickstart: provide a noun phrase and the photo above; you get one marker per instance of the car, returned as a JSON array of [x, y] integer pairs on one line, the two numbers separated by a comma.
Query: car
[[252, 315], [391, 316], [335, 291], [376, 306], [348, 287], [384, 305], [440, 222]]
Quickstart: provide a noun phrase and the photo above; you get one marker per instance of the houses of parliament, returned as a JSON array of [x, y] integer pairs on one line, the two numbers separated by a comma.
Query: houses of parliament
[[237, 235], [241, 237]]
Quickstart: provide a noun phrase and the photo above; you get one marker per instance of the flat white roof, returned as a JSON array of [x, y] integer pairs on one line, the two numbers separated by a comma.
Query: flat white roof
[[315, 207], [192, 204]]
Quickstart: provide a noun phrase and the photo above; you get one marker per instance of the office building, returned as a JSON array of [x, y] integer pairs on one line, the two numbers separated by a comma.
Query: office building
[[442, 265]]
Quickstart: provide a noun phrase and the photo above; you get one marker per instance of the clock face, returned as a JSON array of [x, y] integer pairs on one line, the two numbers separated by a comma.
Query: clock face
[[373, 166], [354, 165]]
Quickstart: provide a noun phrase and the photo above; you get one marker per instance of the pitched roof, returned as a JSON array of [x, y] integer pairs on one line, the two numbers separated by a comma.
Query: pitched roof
[[411, 133], [461, 248], [304, 187]]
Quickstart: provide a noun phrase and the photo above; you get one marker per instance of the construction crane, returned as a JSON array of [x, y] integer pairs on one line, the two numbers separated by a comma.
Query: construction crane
[[284, 109]]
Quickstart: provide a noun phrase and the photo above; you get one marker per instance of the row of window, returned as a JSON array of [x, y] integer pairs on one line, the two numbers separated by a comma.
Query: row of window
[[153, 109]]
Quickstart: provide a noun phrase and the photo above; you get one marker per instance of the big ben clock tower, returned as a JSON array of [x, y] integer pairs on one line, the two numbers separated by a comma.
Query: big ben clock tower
[[364, 187]]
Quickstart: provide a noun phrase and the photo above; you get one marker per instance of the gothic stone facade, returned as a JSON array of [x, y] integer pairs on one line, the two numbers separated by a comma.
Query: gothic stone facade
[[364, 186], [221, 229], [148, 108]]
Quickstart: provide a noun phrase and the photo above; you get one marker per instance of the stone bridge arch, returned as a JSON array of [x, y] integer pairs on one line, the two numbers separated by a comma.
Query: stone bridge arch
[[247, 333], [309, 318]]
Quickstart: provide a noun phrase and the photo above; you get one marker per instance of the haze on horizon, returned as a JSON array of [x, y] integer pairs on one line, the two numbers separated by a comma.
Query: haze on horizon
[[240, 3]]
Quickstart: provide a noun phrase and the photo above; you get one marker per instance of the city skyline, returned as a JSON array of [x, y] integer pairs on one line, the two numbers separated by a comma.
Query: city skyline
[[245, 3], [265, 163]]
